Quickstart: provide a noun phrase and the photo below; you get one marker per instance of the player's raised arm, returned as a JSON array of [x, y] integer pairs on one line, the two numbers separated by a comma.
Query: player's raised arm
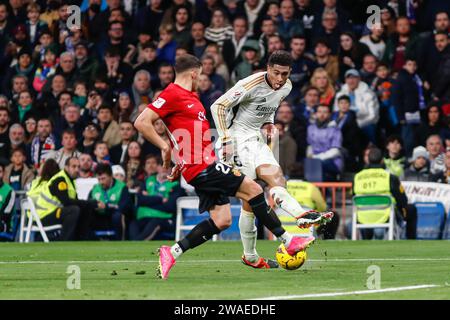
[[145, 125]]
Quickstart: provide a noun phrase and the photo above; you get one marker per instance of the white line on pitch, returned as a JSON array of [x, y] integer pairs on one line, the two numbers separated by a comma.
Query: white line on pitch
[[348, 293], [213, 261], [108, 261]]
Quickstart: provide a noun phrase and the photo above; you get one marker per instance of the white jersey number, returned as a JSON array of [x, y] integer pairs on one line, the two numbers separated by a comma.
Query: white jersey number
[[223, 167]]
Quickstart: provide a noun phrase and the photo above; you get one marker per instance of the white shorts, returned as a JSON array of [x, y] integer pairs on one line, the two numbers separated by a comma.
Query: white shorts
[[251, 154]]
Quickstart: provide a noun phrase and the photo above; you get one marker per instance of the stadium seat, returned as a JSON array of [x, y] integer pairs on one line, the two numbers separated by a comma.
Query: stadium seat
[[372, 212], [165, 236], [430, 220], [11, 236], [30, 222], [313, 170], [104, 234], [188, 217], [446, 234], [6, 236]]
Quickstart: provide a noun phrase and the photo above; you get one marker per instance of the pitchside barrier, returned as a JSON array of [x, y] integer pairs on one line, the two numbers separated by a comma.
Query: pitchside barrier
[[433, 222], [336, 194]]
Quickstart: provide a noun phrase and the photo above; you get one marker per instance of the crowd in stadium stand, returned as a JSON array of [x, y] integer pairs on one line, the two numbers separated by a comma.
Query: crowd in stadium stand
[[75, 92]]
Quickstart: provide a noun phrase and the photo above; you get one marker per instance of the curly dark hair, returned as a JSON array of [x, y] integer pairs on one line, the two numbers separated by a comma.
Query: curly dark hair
[[280, 57]]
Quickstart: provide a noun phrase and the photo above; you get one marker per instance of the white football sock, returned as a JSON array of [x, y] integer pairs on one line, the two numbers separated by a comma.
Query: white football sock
[[249, 233], [286, 238], [288, 205], [176, 251]]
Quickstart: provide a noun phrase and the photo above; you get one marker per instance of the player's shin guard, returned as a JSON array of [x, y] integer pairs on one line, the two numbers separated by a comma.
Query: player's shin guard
[[286, 203], [267, 217], [201, 233], [248, 231]]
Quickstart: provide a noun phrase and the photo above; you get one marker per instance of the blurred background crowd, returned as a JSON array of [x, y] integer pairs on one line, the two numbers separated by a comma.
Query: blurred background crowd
[[75, 92]]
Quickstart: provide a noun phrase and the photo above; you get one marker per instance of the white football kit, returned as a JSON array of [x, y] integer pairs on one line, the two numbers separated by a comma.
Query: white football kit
[[239, 115]]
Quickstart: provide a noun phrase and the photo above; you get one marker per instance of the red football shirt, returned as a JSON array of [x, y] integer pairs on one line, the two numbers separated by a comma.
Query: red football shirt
[[185, 118]]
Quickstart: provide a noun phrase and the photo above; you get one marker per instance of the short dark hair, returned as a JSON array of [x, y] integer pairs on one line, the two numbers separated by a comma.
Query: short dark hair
[[112, 51], [127, 121], [149, 44], [375, 156], [309, 88], [410, 58], [45, 119], [116, 9], [164, 65], [21, 150], [241, 17], [394, 137], [275, 36], [68, 160], [344, 97], [65, 92], [383, 64], [441, 32], [104, 106], [298, 36], [280, 57], [6, 110], [27, 91], [69, 131], [441, 12], [187, 62], [103, 168], [322, 41], [154, 156], [322, 106], [267, 18], [99, 143]]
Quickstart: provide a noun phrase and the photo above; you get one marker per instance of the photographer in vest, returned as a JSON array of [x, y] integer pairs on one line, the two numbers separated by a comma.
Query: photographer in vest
[[58, 204], [374, 179], [115, 199]]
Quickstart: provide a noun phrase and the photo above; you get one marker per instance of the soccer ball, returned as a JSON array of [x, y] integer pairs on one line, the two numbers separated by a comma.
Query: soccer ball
[[288, 262]]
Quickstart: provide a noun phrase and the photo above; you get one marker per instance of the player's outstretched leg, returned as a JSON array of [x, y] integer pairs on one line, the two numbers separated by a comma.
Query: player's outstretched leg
[[204, 231], [284, 202], [251, 192], [249, 233]]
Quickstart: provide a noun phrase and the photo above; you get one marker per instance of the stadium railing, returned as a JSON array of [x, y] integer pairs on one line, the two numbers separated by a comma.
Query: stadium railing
[[336, 204]]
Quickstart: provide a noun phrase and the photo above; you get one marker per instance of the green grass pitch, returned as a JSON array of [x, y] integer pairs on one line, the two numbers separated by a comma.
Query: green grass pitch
[[126, 270]]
